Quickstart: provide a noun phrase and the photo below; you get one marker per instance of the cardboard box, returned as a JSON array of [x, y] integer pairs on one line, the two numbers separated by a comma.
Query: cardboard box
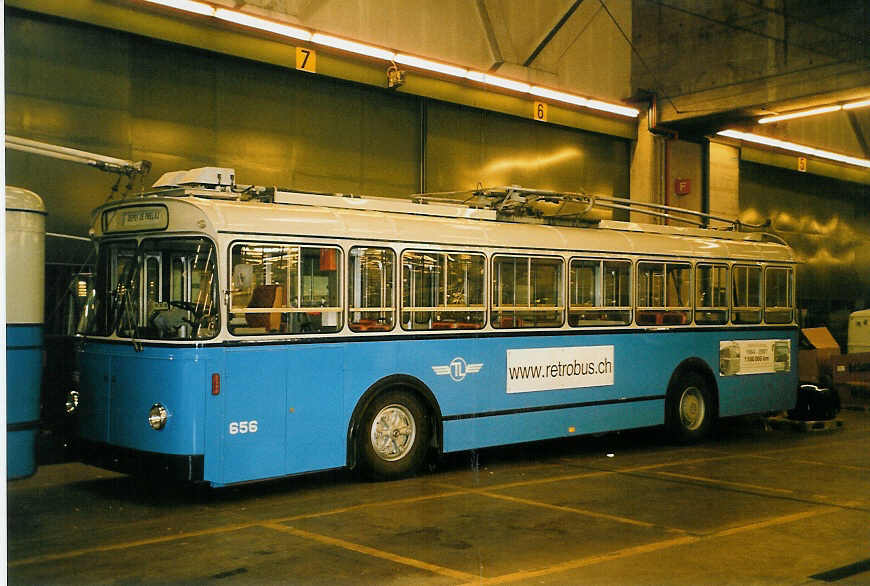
[[815, 363]]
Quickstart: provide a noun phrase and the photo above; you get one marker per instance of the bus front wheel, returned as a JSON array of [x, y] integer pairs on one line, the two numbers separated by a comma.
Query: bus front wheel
[[690, 408], [394, 436]]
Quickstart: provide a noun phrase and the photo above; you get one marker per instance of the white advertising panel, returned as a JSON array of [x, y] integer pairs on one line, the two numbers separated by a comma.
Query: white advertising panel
[[546, 369], [754, 356]]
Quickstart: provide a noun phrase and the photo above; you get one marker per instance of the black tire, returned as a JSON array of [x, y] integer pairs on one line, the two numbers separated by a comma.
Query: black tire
[[690, 408], [393, 437]]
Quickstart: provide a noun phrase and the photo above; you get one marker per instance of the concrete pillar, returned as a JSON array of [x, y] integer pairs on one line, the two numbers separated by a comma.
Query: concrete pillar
[[684, 183], [724, 172], [646, 169]]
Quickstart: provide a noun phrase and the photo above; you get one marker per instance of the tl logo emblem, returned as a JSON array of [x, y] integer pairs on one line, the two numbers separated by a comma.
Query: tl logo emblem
[[457, 369]]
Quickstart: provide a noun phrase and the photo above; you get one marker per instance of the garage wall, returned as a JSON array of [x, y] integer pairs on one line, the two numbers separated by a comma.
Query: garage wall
[[131, 97], [134, 98], [828, 223], [466, 147]]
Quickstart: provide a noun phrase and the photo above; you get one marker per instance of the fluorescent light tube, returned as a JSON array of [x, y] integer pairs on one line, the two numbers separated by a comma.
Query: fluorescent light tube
[[353, 47], [813, 112], [861, 104], [558, 96], [798, 148], [612, 108], [508, 84], [435, 66], [475, 76], [187, 6], [262, 24]]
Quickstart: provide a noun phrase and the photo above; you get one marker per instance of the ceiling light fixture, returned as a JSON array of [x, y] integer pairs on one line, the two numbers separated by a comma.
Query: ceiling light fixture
[[508, 84], [262, 24], [853, 105], [187, 6], [794, 147], [286, 30], [428, 65], [352, 46], [558, 96], [612, 108], [813, 112]]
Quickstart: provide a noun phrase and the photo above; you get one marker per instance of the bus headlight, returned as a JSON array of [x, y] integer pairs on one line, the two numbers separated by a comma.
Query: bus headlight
[[157, 416], [72, 402]]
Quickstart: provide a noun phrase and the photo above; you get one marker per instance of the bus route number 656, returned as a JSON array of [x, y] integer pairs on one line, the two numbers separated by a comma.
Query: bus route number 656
[[237, 427]]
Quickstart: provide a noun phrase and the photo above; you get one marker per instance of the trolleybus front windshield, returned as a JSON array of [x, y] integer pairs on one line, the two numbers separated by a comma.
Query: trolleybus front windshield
[[158, 289]]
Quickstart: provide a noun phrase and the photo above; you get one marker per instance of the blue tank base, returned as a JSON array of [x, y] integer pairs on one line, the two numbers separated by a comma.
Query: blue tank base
[[21, 454], [180, 467]]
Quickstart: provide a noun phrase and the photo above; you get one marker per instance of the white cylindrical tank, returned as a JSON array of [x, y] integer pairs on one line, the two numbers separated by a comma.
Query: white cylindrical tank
[[25, 298], [859, 332]]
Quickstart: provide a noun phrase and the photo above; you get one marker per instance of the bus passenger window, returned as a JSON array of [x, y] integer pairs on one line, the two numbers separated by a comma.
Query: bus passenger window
[[778, 295], [442, 291], [527, 292], [711, 294], [284, 289], [370, 289], [599, 293], [746, 294], [663, 296]]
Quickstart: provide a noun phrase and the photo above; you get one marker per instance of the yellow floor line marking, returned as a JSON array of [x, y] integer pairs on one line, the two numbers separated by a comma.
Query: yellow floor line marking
[[813, 446], [129, 544], [817, 463], [652, 547], [589, 561], [363, 549], [584, 512], [597, 473], [714, 481], [410, 500], [772, 522], [363, 506], [222, 529]]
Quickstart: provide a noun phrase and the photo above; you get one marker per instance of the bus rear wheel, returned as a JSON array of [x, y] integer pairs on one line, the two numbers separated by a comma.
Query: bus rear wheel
[[690, 409], [394, 436]]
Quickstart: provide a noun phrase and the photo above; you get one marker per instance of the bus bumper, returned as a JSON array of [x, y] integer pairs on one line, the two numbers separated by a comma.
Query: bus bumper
[[187, 468]]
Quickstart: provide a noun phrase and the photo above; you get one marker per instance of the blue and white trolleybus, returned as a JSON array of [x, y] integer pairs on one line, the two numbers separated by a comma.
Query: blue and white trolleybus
[[238, 333]]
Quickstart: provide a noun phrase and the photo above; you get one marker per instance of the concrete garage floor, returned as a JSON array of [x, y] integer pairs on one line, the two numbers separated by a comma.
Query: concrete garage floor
[[749, 506]]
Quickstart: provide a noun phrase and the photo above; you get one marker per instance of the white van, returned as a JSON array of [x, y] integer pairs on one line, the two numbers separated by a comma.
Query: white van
[[859, 332]]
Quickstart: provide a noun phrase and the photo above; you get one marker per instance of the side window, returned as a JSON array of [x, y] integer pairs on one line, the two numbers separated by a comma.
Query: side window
[[663, 293], [285, 289], [371, 299], [711, 294], [443, 290], [527, 292], [599, 292], [778, 297], [746, 294]]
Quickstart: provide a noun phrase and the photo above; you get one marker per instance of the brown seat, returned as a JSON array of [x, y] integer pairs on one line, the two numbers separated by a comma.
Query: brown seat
[[270, 296]]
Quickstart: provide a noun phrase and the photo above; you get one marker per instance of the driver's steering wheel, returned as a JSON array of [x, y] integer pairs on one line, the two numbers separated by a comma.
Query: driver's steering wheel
[[188, 306]]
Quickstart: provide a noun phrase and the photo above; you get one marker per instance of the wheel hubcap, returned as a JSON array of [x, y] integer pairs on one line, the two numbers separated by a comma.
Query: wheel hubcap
[[692, 408], [393, 433]]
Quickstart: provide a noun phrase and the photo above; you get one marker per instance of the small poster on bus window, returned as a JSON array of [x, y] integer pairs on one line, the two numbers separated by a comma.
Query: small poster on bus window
[[754, 356]]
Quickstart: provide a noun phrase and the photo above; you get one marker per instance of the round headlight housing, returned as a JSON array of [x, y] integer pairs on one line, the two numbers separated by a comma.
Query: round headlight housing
[[72, 402], [157, 416]]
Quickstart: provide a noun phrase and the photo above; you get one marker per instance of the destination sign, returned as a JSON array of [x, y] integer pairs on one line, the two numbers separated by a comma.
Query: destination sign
[[136, 218]]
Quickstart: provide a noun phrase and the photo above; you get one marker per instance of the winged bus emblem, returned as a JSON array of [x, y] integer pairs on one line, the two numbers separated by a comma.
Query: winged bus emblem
[[457, 369]]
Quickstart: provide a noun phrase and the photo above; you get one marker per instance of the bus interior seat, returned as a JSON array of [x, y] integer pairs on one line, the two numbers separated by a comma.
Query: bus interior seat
[[266, 296], [369, 325]]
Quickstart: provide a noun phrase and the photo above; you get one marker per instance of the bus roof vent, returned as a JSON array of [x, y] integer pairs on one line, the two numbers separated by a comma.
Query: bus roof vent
[[199, 177]]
